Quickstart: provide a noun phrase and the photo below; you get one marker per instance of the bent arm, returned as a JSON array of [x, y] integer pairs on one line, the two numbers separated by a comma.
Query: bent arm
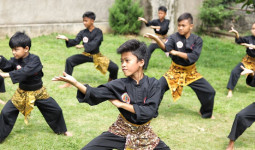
[[157, 39]]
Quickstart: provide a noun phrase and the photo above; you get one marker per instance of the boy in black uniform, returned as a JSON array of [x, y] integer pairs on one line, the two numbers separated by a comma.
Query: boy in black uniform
[[2, 87], [92, 38], [137, 98], [248, 60], [160, 27], [184, 49], [26, 69], [246, 117]]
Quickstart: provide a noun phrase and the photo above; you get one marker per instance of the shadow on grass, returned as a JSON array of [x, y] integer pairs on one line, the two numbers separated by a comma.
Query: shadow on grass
[[241, 88], [176, 109]]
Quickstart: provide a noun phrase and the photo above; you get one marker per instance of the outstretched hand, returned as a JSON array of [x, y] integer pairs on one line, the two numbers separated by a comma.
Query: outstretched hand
[[246, 71], [233, 30], [142, 19], [250, 46], [62, 37], [65, 78], [149, 35]]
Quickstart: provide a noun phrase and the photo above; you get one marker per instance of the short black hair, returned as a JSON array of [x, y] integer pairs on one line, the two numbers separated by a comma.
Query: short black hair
[[162, 8], [89, 14], [186, 16], [20, 39], [134, 46]]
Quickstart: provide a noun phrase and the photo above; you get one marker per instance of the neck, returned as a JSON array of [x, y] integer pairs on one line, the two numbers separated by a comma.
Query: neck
[[161, 20], [25, 55], [137, 76], [187, 35], [92, 27]]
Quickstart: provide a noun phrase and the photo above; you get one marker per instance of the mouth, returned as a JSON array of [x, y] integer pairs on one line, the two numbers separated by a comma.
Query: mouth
[[124, 70]]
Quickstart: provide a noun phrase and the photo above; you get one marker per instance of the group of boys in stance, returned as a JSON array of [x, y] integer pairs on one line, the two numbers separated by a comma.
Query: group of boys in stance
[[137, 97]]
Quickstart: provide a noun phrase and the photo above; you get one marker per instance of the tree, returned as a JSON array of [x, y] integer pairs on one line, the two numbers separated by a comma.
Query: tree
[[123, 16], [214, 12], [247, 4]]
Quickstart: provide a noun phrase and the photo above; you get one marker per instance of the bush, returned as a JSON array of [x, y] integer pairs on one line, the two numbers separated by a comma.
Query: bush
[[214, 12], [123, 16]]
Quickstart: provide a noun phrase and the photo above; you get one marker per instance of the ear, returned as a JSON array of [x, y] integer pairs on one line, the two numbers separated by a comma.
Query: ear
[[191, 26], [141, 63], [26, 49]]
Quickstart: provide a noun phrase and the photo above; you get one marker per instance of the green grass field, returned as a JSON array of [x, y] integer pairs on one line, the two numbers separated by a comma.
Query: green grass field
[[178, 123]]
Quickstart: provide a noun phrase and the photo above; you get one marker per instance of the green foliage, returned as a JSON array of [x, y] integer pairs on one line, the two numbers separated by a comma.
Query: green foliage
[[214, 12], [247, 4], [123, 17]]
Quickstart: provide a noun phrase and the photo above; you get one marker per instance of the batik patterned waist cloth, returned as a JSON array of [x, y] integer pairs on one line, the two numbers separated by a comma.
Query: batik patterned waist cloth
[[249, 62], [101, 62], [179, 76], [138, 137], [24, 100]]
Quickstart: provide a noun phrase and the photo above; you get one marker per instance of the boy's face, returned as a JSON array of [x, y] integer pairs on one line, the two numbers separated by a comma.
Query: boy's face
[[184, 27], [130, 64], [20, 52], [253, 29], [161, 14], [88, 22]]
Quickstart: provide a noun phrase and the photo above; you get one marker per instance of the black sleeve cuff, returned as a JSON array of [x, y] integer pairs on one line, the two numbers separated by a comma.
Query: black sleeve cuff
[[83, 98], [137, 111]]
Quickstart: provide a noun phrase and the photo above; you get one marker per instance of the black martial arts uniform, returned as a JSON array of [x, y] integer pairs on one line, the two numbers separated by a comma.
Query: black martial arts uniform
[[28, 73], [245, 117], [164, 26], [91, 42], [2, 85], [143, 96], [235, 73], [192, 46]]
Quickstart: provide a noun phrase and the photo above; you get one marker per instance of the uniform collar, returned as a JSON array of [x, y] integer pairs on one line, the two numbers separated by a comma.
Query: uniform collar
[[24, 59], [140, 82]]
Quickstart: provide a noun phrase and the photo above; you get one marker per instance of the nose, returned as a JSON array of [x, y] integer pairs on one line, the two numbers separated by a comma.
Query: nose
[[123, 64]]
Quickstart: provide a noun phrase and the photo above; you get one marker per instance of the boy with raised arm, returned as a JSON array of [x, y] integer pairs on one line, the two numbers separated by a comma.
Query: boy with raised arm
[[248, 60], [184, 49], [160, 26], [91, 38], [137, 98]]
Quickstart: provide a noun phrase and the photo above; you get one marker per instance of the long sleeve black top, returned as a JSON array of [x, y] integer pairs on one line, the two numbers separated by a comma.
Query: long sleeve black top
[[145, 97], [192, 46], [164, 26], [90, 40], [2, 85], [27, 71], [249, 40]]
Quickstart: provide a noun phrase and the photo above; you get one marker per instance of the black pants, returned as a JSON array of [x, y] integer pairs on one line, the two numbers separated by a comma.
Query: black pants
[[204, 92], [109, 141], [234, 76], [149, 51], [78, 59], [49, 109], [2, 86], [243, 120]]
